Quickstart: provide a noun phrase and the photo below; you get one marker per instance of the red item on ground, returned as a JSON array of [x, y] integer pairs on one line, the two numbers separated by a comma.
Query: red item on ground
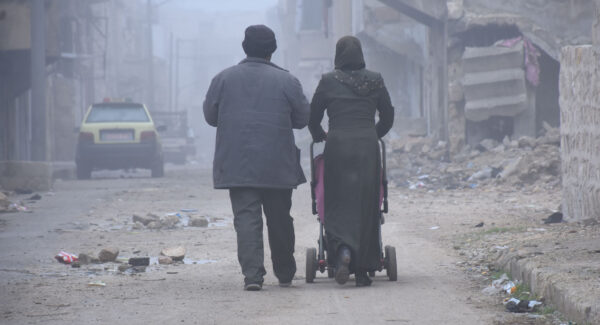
[[66, 258]]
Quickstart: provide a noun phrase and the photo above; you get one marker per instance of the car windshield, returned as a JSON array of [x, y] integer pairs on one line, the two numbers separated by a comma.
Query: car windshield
[[121, 112]]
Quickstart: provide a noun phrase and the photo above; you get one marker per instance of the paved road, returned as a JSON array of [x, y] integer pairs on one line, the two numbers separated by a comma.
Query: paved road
[[84, 216]]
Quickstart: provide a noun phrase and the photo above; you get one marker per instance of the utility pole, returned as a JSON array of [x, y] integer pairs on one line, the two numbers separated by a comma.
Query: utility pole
[[38, 81], [171, 71], [177, 42], [150, 58]]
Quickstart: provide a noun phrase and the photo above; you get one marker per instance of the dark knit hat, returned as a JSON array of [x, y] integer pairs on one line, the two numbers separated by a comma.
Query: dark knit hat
[[259, 41]]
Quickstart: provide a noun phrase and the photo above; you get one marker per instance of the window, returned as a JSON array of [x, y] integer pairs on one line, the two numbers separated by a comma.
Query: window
[[117, 113]]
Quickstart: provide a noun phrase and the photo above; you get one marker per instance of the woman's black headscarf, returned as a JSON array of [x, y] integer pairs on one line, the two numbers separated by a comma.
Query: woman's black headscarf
[[348, 54]]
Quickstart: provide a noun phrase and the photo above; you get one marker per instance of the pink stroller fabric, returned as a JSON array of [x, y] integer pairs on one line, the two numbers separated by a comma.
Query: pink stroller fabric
[[319, 165]]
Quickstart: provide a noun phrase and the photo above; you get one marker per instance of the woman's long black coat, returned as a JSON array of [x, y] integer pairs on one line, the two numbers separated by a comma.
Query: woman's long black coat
[[352, 158]]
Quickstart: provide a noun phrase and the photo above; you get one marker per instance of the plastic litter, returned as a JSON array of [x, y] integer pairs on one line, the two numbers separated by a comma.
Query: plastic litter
[[66, 258], [97, 284], [497, 286], [17, 207], [510, 287], [414, 186], [435, 228], [521, 306]]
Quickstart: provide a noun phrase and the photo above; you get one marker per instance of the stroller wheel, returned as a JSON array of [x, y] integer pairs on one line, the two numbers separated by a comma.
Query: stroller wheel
[[311, 264], [372, 274], [390, 263]]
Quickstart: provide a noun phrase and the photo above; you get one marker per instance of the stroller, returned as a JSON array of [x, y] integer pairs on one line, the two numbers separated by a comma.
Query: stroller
[[316, 260]]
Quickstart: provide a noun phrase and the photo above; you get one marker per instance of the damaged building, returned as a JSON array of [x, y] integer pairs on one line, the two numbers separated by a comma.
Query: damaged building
[[504, 63], [403, 40], [460, 70]]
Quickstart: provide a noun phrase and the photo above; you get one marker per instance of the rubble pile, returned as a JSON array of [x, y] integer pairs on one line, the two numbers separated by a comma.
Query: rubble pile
[[7, 206], [417, 162]]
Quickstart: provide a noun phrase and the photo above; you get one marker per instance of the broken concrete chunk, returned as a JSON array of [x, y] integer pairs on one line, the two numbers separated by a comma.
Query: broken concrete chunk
[[511, 168], [145, 220], [165, 260], [484, 173], [198, 222], [87, 258], [487, 144], [137, 261], [108, 254], [137, 226], [176, 253], [154, 225], [526, 142], [169, 221]]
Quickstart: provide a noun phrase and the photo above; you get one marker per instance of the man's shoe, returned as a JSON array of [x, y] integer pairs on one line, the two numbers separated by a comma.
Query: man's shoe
[[253, 287], [342, 269], [285, 284]]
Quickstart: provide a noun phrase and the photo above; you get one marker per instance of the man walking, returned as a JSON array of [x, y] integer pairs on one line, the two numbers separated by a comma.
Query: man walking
[[255, 105]]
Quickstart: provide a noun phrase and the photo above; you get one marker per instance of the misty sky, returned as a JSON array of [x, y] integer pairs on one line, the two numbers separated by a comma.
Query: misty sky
[[225, 5]]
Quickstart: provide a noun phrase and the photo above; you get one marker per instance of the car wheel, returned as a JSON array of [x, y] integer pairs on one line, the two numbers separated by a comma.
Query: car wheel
[[84, 171], [158, 168]]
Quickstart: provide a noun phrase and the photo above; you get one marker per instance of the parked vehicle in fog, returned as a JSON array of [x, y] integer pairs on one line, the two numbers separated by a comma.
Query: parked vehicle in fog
[[118, 135]]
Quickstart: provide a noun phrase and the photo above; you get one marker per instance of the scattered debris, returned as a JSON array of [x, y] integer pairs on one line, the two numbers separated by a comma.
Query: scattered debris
[[4, 202], [66, 258], [35, 197], [165, 260], [556, 217], [145, 220], [521, 306], [123, 267], [497, 286], [87, 258], [97, 284], [526, 161], [479, 225], [7, 206], [175, 253], [198, 222], [108, 254], [434, 228], [138, 269], [139, 261], [510, 287]]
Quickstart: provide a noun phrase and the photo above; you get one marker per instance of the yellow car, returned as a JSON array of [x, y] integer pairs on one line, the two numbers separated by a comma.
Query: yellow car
[[118, 135]]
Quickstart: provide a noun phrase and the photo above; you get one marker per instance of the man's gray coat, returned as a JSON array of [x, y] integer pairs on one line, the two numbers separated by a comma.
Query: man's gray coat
[[255, 105]]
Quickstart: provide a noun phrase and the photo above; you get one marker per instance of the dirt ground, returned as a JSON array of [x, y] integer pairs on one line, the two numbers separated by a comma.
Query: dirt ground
[[440, 275]]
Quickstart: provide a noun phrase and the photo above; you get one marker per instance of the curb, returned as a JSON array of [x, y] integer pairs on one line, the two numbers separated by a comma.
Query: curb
[[543, 282]]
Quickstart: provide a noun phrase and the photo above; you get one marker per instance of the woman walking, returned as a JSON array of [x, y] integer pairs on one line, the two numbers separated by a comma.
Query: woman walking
[[351, 95]]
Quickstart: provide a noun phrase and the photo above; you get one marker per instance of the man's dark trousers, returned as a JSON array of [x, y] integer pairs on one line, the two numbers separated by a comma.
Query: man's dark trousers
[[247, 204]]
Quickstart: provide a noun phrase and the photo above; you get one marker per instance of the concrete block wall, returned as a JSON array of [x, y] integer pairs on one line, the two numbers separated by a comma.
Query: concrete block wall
[[580, 131], [26, 175]]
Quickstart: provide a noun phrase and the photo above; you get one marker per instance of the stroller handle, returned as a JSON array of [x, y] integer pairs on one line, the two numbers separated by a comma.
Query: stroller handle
[[384, 179]]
